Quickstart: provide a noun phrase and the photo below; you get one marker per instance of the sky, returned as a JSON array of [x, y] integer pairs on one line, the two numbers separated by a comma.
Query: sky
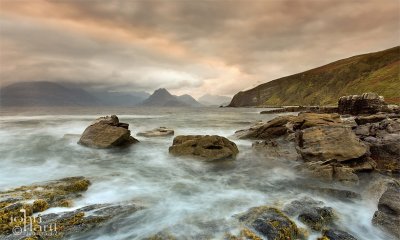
[[217, 47]]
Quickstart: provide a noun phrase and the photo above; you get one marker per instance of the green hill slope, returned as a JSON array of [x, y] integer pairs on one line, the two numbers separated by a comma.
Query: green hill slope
[[373, 72]]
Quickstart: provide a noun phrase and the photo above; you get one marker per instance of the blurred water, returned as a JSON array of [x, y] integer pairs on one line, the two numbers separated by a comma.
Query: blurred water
[[186, 197]]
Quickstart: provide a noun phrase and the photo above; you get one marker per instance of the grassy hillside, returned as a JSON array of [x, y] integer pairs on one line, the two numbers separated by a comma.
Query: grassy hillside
[[374, 72]]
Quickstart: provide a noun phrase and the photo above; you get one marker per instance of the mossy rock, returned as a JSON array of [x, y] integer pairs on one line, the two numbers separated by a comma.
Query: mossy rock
[[270, 222], [51, 194]]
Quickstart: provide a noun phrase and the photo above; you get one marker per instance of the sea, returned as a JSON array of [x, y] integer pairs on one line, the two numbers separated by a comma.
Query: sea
[[188, 198]]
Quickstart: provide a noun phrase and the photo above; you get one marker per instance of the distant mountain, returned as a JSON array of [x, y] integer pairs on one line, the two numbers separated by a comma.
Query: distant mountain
[[162, 98], [214, 100], [373, 72], [121, 99], [53, 94], [187, 99], [44, 94]]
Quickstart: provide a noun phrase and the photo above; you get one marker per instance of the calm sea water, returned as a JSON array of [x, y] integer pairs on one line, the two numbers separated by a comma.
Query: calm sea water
[[186, 197]]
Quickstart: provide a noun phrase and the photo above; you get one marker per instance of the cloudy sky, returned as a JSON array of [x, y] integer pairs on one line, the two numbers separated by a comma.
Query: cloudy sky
[[187, 46]]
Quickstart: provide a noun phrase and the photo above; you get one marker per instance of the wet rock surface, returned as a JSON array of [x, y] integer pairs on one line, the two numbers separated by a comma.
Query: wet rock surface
[[388, 215], [21, 203], [326, 143], [334, 234], [107, 132], [311, 212], [158, 132], [204, 146], [270, 223], [285, 125]]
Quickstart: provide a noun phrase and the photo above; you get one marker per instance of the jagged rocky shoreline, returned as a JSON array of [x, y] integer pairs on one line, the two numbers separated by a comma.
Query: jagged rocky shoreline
[[342, 149]]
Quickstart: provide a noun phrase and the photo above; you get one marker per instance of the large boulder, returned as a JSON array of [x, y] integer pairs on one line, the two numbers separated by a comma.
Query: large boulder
[[388, 215], [270, 223], [158, 132], [204, 146], [326, 143], [367, 103], [107, 132]]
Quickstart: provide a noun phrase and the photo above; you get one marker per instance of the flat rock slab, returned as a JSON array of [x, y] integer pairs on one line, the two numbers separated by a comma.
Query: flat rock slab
[[158, 132], [204, 146], [325, 143]]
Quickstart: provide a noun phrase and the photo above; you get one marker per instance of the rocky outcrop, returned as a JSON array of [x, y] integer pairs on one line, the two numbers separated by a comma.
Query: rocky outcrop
[[21, 203], [59, 193], [270, 223], [204, 146], [312, 109], [326, 143], [328, 171], [367, 103], [284, 125], [107, 132], [388, 215], [383, 139], [158, 132]]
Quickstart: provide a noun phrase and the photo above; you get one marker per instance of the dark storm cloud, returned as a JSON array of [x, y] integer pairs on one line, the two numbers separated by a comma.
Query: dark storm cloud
[[219, 47]]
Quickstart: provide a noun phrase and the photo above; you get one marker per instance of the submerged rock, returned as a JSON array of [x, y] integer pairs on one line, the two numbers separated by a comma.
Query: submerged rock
[[204, 146], [388, 215], [326, 143], [107, 132], [270, 223], [334, 234], [367, 103], [158, 132]]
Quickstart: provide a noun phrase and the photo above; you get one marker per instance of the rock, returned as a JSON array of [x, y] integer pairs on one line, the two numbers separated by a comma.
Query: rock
[[345, 174], [367, 103], [107, 132], [341, 194], [275, 148], [84, 219], [270, 223], [334, 234], [204, 146], [327, 171], [158, 132], [44, 196], [361, 120], [388, 215], [310, 212], [272, 129], [307, 120], [326, 143], [318, 170], [312, 109], [285, 125], [383, 139]]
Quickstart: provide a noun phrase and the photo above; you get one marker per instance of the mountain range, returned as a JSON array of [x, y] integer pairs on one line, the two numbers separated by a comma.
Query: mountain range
[[373, 72], [162, 98], [42, 93]]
